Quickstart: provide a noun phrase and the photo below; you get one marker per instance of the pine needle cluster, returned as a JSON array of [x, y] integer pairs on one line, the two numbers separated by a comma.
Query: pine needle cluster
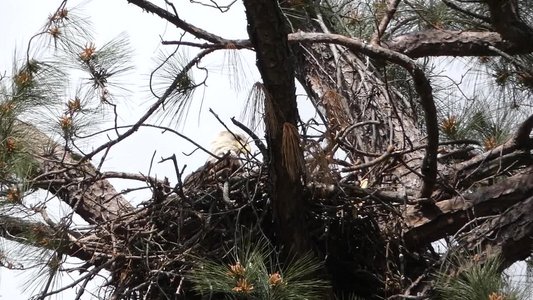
[[476, 281], [255, 272]]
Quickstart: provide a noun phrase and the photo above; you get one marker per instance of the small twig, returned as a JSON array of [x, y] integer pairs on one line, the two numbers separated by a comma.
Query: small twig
[[258, 143], [91, 273], [174, 19], [179, 187], [225, 194], [221, 8], [82, 288], [234, 45], [152, 109], [218, 119], [198, 146], [414, 284], [510, 58], [384, 156], [151, 162], [465, 226], [342, 134]]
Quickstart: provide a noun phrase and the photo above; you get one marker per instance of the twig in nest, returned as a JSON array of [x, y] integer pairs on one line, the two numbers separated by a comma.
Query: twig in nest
[[225, 194], [179, 187], [384, 156], [258, 143]]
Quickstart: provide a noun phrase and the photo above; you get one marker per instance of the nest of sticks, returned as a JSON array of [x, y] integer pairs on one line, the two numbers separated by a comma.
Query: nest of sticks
[[352, 233]]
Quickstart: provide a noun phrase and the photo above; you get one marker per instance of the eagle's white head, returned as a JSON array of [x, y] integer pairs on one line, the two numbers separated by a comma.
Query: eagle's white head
[[226, 141]]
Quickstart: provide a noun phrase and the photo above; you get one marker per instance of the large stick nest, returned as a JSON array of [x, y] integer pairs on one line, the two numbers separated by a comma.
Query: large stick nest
[[355, 234]]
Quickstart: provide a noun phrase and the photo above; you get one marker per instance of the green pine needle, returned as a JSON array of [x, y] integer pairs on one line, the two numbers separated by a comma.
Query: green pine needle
[[475, 281], [255, 272]]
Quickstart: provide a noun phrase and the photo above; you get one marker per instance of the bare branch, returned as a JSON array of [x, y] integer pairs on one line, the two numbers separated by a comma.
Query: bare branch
[[152, 108], [453, 43], [74, 182], [42, 236], [174, 19], [455, 212]]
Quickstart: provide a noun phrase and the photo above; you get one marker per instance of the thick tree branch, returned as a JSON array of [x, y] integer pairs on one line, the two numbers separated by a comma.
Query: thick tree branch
[[453, 43], [521, 138], [466, 172], [508, 235], [74, 182], [42, 236], [415, 45], [456, 212], [505, 18]]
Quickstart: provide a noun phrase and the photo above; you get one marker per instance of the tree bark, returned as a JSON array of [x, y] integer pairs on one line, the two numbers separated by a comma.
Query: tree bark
[[454, 213], [268, 33], [75, 182]]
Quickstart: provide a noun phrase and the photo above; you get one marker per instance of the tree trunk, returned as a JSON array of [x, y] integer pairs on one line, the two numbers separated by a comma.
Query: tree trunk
[[268, 34]]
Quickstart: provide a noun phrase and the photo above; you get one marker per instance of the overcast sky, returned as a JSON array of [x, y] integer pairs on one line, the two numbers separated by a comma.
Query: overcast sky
[[20, 19]]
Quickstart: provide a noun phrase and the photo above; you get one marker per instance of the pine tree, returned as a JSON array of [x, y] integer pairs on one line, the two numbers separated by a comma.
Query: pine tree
[[343, 205]]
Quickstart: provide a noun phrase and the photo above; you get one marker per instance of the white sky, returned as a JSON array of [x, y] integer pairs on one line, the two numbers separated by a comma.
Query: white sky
[[20, 19]]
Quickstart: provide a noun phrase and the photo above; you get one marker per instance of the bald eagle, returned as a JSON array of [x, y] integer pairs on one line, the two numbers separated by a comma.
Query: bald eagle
[[227, 147]]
